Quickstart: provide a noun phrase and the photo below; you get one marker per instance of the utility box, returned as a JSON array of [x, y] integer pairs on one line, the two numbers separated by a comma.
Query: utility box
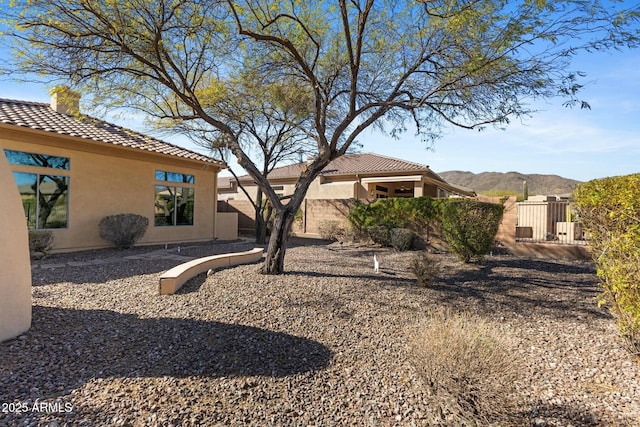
[[569, 232]]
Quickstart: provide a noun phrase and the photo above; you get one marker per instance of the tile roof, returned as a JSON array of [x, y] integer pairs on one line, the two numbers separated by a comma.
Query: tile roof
[[40, 116], [363, 164], [224, 182], [351, 164]]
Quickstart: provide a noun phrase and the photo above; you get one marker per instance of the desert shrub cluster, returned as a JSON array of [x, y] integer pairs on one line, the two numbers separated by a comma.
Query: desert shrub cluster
[[610, 212], [394, 222], [468, 225]]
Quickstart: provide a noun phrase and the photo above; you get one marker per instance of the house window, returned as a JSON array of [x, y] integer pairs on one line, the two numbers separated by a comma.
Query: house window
[[39, 160], [174, 177], [45, 195], [44, 199], [174, 204]]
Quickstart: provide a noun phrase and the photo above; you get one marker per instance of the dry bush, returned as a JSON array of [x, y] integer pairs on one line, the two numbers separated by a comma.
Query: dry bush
[[331, 230], [40, 243], [426, 269], [123, 230], [380, 235], [401, 238], [468, 367]]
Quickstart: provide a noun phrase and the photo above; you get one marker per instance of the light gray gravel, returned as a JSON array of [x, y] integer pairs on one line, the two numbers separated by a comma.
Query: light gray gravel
[[324, 344]]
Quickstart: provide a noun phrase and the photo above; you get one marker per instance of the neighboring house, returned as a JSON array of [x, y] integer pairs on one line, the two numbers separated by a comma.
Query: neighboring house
[[72, 170], [352, 176]]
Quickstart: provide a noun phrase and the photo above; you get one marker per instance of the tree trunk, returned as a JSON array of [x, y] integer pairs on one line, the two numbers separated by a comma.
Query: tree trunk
[[274, 260], [260, 222], [261, 229]]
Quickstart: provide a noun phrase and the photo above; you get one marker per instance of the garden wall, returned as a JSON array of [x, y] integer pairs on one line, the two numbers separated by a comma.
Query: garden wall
[[314, 212], [507, 237]]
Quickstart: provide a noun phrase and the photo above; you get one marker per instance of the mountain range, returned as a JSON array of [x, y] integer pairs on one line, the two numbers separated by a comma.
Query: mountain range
[[502, 183]]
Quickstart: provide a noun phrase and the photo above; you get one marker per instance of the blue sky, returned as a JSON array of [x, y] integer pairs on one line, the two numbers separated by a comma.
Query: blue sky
[[571, 142]]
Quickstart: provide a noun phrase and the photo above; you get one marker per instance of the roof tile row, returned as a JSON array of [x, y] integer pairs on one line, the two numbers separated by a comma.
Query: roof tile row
[[40, 116]]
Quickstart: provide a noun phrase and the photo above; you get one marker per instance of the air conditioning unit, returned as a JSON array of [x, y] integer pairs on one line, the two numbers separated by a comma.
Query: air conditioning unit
[[569, 232]]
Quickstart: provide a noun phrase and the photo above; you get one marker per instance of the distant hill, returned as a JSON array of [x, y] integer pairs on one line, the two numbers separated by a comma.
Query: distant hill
[[498, 183]]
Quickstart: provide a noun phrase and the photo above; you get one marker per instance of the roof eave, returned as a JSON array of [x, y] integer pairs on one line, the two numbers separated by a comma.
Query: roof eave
[[106, 145]]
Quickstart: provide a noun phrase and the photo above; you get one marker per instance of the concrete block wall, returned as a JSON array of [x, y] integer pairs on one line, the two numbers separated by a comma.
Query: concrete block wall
[[245, 211], [316, 212], [507, 230]]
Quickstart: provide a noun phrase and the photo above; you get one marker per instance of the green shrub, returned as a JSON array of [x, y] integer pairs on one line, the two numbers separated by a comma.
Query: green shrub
[[470, 227], [414, 213], [401, 238], [469, 368], [610, 211], [425, 268], [123, 230], [40, 243]]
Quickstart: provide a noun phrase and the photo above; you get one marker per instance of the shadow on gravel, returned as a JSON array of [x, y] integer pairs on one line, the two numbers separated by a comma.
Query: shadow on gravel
[[547, 266], [65, 348], [100, 274], [101, 265], [545, 414], [554, 289], [192, 285], [382, 276]]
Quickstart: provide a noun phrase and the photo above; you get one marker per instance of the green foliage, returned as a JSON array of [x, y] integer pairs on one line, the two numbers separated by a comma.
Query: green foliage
[[470, 227], [503, 194], [40, 242], [426, 269], [401, 238], [415, 213], [123, 230], [325, 70], [610, 212]]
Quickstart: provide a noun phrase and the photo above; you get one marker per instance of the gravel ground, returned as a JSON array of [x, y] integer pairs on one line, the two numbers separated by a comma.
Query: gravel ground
[[325, 344]]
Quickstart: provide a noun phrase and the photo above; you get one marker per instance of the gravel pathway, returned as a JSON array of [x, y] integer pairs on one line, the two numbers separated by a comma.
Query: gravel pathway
[[325, 344]]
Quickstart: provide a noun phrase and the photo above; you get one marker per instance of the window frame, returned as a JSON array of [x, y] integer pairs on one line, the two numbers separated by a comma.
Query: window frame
[[42, 172], [171, 183]]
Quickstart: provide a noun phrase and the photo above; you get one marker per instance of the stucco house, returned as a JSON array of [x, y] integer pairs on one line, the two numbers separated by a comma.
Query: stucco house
[[72, 170], [353, 176]]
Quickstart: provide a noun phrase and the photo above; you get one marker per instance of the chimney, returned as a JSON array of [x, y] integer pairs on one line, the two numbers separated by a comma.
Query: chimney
[[65, 101]]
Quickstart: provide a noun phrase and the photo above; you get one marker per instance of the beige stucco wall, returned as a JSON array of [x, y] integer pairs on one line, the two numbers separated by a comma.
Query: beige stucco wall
[[107, 180], [331, 189], [339, 188], [15, 267], [227, 225], [342, 189]]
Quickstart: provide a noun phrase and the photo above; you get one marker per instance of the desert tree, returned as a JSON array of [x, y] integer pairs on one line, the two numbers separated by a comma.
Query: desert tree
[[268, 128], [359, 63]]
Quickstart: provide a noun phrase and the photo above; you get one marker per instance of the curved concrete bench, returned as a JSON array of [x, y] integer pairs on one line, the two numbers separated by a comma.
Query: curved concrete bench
[[171, 280]]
